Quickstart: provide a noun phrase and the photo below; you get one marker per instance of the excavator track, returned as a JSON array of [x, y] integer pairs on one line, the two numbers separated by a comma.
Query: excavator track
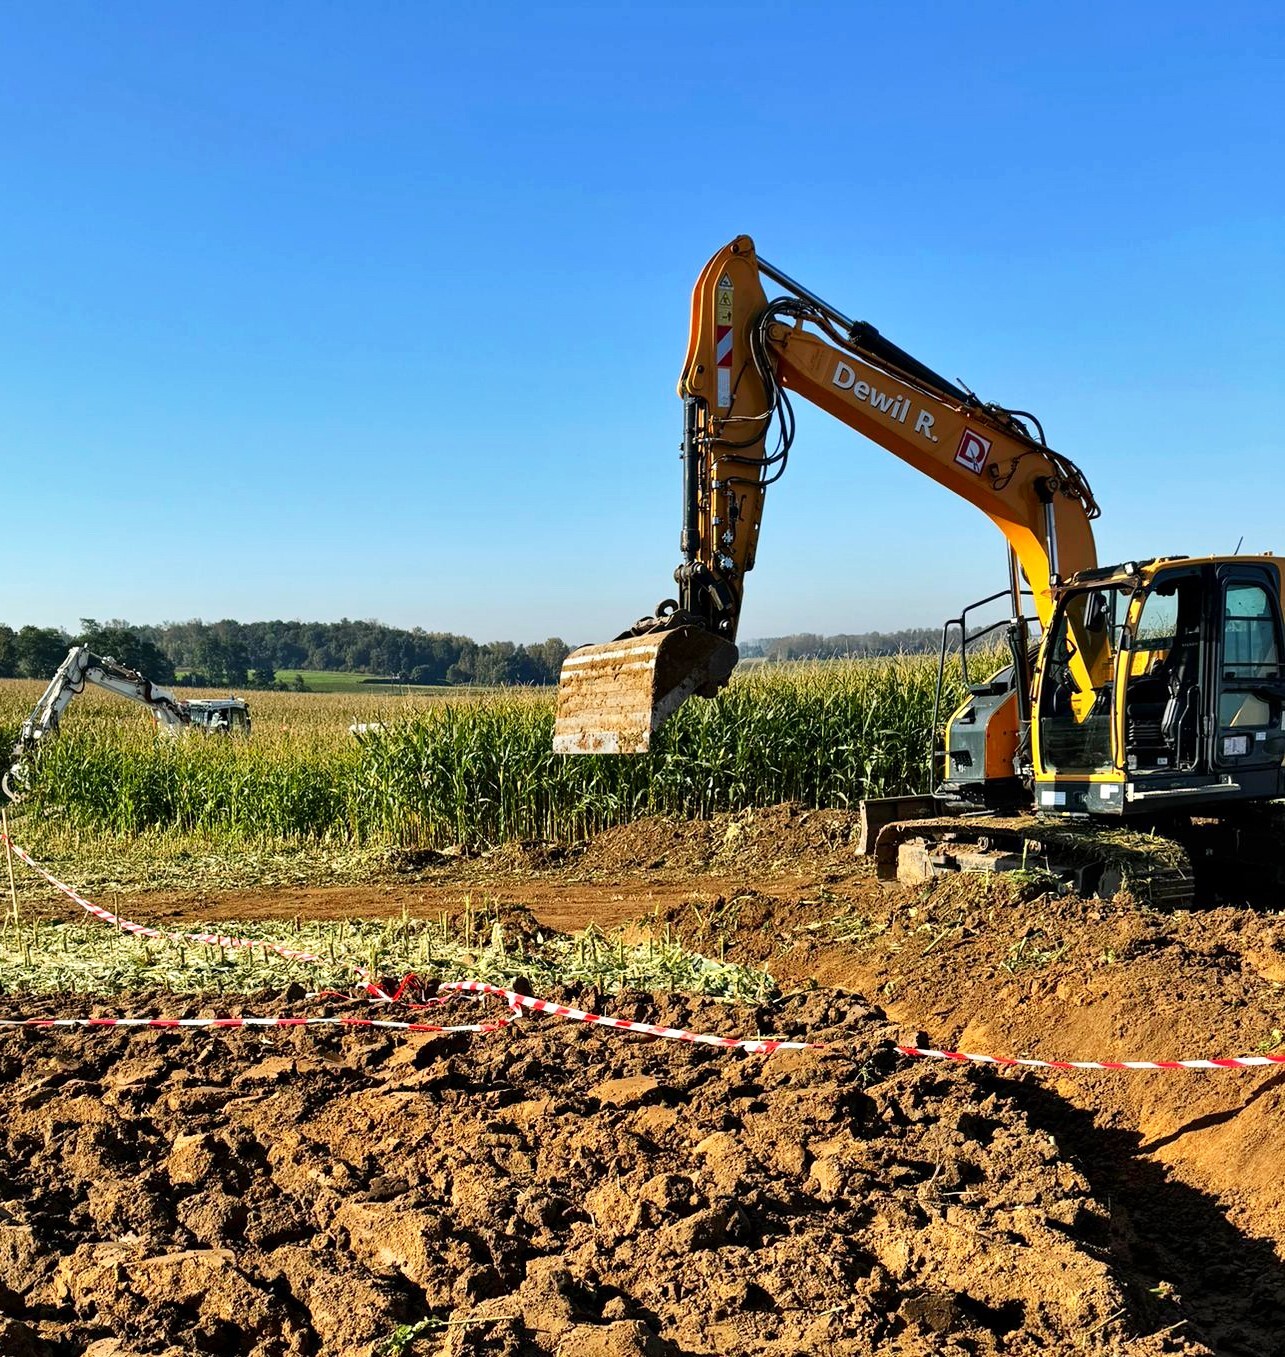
[[1154, 868]]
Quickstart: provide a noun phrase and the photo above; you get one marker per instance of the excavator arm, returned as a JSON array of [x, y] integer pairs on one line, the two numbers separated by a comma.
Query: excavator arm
[[746, 356], [81, 667]]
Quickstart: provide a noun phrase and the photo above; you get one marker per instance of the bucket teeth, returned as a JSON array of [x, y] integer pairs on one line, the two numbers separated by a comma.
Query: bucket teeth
[[613, 698]]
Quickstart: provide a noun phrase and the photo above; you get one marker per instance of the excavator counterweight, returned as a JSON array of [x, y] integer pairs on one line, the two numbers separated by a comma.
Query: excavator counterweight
[[613, 698]]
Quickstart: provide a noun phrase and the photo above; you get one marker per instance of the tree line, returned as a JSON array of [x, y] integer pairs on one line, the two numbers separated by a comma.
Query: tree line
[[249, 654], [862, 645]]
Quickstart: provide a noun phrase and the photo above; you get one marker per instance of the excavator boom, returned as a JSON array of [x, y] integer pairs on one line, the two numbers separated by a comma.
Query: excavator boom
[[745, 357]]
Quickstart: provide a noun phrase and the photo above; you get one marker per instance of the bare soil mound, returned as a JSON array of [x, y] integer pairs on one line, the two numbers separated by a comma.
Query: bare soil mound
[[561, 1191], [748, 926], [775, 838]]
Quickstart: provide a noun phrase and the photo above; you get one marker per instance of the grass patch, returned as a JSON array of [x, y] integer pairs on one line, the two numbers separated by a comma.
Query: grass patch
[[189, 865], [851, 927], [1033, 950], [335, 681], [84, 957]]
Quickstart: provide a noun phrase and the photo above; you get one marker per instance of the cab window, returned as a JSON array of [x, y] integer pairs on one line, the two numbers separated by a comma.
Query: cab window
[[1162, 704], [1158, 626], [1251, 655], [1250, 645]]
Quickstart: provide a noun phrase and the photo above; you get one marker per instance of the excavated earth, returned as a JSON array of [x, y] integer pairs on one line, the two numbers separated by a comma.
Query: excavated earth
[[561, 1190]]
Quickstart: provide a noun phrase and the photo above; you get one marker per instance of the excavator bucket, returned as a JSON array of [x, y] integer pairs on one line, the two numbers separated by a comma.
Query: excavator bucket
[[613, 698]]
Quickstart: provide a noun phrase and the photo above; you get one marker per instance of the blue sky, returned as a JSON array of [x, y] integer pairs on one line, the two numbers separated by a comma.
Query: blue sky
[[376, 310]]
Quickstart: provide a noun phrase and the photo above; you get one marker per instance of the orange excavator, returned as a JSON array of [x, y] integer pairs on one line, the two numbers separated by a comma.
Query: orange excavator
[[1145, 696]]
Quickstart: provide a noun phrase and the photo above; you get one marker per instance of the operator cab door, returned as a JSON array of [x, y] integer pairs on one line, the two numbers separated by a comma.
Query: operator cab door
[[1163, 704], [1249, 688]]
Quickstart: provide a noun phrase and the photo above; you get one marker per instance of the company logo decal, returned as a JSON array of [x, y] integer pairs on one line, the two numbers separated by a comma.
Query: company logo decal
[[973, 451]]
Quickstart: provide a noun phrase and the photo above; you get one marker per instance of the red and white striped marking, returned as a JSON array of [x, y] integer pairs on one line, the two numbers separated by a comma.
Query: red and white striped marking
[[723, 345], [520, 1003], [1233, 1062], [231, 943], [754, 1045], [165, 1024], [142, 931], [517, 1004]]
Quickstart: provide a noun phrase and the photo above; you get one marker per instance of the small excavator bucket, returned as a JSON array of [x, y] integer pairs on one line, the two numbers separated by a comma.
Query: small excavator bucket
[[613, 698]]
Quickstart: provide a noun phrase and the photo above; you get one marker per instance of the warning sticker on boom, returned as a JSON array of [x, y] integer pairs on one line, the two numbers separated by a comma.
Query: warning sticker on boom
[[723, 341], [723, 301]]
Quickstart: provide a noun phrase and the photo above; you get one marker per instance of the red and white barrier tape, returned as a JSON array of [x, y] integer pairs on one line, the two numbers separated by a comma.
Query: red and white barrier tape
[[518, 1004], [1232, 1062], [162, 1024], [163, 935], [755, 1046], [367, 981]]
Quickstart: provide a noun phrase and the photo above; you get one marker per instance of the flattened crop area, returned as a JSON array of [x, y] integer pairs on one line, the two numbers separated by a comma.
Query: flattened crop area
[[563, 1190], [548, 1189]]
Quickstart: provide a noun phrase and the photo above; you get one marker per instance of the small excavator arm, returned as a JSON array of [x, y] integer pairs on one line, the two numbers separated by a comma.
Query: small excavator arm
[[745, 356], [82, 667]]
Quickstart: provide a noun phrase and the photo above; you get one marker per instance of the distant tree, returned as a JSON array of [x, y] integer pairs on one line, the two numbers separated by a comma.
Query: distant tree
[[263, 672], [548, 656], [210, 657], [40, 650], [228, 652], [8, 652], [495, 662], [809, 646], [236, 664], [126, 647]]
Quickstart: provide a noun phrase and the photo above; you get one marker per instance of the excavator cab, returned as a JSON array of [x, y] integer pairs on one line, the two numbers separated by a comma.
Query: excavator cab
[[1158, 687], [220, 715], [1161, 687]]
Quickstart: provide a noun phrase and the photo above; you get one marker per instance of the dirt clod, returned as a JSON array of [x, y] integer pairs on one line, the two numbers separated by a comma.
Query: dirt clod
[[558, 1192]]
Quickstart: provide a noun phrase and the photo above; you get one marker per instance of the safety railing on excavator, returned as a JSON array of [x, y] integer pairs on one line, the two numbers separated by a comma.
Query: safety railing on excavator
[[936, 740]]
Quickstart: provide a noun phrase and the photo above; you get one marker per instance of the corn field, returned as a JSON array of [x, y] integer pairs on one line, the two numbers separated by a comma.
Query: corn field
[[479, 771]]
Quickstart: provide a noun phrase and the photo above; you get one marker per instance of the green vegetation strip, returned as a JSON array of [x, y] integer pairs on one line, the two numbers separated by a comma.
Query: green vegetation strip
[[156, 861], [50, 957]]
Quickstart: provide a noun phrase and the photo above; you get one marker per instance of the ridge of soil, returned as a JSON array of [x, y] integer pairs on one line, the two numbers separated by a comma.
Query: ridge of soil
[[560, 1191], [637, 867]]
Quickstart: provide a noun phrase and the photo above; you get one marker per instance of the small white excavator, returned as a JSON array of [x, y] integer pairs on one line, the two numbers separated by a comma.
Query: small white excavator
[[218, 715]]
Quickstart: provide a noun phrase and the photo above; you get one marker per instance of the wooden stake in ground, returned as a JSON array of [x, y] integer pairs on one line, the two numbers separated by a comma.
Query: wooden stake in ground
[[8, 857]]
